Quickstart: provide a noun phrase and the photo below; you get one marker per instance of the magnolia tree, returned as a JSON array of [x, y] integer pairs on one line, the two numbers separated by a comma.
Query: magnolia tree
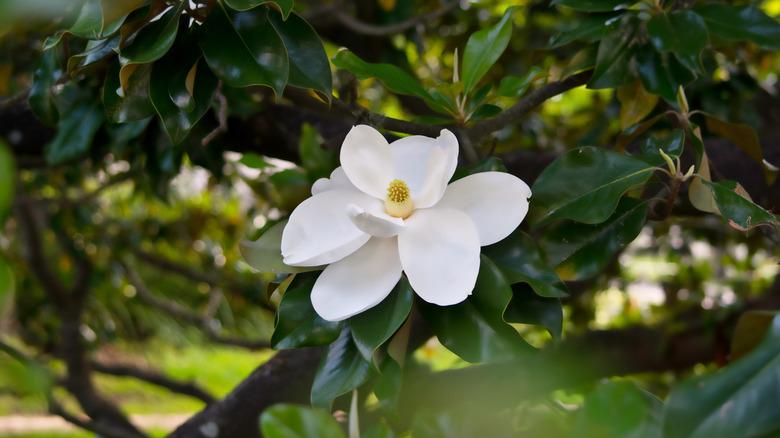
[[377, 181]]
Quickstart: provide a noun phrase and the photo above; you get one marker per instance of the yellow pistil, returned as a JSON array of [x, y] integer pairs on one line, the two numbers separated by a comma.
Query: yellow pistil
[[398, 202]]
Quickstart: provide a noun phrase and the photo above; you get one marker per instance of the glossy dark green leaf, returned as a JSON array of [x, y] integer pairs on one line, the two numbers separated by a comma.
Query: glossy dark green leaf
[[612, 60], [739, 400], [179, 110], [527, 307], [341, 370], [635, 103], [46, 74], [640, 412], [394, 78], [672, 145], [318, 161], [95, 52], [75, 132], [389, 383], [581, 251], [7, 180], [89, 22], [375, 326], [297, 324], [740, 212], [257, 54], [153, 40], [751, 329], [585, 185], [284, 6], [483, 50], [682, 33], [291, 421], [516, 86], [131, 104], [590, 28], [741, 23], [593, 5], [309, 66], [475, 329], [520, 259], [661, 73], [744, 137]]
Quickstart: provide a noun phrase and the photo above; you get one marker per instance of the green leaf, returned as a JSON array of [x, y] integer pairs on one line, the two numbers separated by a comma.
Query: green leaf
[[516, 86], [520, 260], [7, 282], [284, 6], [179, 106], [635, 103], [7, 180], [590, 28], [661, 73], [89, 22], [738, 400], [47, 73], [75, 131], [309, 66], [483, 50], [265, 253], [256, 55], [395, 79], [341, 370], [291, 421], [317, 161], [297, 324], [736, 207], [132, 103], [741, 23], [253, 160], [593, 5], [682, 33], [475, 329], [527, 307], [640, 412], [95, 52], [672, 145], [581, 251], [745, 137], [612, 60], [751, 328], [585, 185], [375, 326], [153, 40]]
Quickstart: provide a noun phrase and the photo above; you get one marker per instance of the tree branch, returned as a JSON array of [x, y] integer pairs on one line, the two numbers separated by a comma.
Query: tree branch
[[155, 378], [364, 28]]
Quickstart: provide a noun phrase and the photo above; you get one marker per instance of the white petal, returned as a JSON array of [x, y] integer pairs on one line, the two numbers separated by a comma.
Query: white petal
[[426, 165], [376, 222], [320, 231], [367, 161], [496, 201], [440, 254], [338, 180], [358, 282]]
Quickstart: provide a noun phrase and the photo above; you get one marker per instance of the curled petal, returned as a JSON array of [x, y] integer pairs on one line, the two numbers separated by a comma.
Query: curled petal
[[358, 282], [426, 165], [376, 223], [440, 254], [497, 202], [320, 231], [367, 161], [338, 180]]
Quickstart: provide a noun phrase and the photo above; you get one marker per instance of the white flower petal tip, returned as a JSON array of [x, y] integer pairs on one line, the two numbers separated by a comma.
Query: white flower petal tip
[[320, 231], [377, 223], [367, 161], [439, 252], [496, 202], [338, 180], [358, 282]]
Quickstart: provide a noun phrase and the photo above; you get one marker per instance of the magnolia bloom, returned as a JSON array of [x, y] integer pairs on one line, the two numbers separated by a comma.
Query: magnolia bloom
[[389, 209]]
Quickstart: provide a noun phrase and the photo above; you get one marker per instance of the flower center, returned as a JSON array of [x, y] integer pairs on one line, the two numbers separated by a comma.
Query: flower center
[[398, 202]]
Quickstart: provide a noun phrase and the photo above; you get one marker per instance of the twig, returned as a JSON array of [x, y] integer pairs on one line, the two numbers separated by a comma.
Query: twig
[[222, 116], [364, 28], [100, 428], [155, 378]]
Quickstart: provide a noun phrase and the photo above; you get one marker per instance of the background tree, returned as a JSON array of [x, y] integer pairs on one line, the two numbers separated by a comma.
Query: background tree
[[151, 149]]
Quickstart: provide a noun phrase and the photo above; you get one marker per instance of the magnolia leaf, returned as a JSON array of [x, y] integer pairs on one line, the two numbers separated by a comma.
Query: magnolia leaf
[[483, 50], [7, 180], [745, 137], [740, 23], [635, 103], [682, 33], [291, 421], [751, 328], [640, 412], [738, 400], [737, 208], [265, 253], [341, 370], [129, 103], [585, 185], [47, 72], [612, 60], [75, 132], [375, 326], [527, 307], [297, 324], [593, 5], [153, 40], [284, 6], [309, 66]]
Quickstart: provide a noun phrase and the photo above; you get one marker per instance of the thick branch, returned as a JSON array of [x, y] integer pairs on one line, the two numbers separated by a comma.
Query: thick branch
[[97, 427], [155, 378]]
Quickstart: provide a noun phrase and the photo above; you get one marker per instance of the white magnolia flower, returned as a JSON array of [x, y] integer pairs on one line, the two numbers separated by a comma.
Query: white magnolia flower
[[388, 209]]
